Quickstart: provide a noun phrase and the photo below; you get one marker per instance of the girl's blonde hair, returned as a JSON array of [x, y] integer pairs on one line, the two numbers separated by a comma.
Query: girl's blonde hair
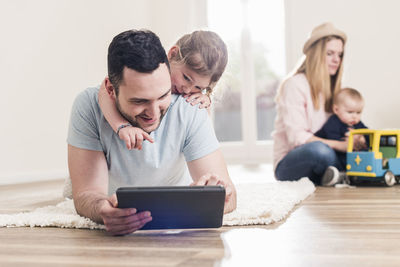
[[204, 52], [314, 68]]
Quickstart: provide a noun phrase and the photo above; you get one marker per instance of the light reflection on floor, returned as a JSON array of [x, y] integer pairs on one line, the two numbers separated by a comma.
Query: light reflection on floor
[[288, 244], [256, 247], [252, 246]]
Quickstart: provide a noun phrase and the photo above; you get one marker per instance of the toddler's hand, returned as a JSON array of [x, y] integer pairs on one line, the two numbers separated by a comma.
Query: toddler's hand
[[134, 137], [196, 98], [359, 142]]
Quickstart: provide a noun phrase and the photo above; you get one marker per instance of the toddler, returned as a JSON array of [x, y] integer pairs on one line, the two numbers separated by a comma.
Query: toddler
[[347, 108]]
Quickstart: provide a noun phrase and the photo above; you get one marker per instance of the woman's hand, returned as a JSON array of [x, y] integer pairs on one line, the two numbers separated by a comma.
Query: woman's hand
[[340, 145]]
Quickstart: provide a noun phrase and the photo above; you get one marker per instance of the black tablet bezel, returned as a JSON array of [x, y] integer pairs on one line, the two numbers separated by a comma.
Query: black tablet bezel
[[176, 207]]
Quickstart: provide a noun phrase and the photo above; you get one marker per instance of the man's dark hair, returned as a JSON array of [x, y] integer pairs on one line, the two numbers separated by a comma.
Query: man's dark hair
[[139, 50]]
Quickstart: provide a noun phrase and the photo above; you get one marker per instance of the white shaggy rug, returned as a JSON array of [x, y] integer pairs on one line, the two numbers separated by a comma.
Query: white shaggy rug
[[257, 203]]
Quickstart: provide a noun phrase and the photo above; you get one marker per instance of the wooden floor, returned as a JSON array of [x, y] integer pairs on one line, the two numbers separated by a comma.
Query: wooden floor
[[333, 227]]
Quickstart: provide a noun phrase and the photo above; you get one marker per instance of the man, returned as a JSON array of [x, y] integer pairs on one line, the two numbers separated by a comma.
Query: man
[[98, 161]]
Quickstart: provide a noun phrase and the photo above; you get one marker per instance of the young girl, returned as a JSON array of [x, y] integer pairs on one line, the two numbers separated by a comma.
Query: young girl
[[197, 61]]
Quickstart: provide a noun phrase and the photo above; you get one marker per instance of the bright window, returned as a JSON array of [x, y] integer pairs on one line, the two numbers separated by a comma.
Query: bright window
[[244, 110]]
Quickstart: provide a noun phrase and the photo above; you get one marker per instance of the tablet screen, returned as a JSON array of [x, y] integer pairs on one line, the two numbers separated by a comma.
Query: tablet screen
[[176, 207]]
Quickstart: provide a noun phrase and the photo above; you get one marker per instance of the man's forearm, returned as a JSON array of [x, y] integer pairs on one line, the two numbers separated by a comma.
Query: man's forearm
[[109, 109], [88, 204]]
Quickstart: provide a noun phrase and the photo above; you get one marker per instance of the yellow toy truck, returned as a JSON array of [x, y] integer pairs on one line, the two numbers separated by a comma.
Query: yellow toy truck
[[381, 163]]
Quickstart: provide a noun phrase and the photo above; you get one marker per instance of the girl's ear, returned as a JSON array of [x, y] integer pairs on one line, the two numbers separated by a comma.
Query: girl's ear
[[173, 52]]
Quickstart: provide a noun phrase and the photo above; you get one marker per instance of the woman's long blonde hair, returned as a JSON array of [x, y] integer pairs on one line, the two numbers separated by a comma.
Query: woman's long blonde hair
[[204, 52], [314, 68]]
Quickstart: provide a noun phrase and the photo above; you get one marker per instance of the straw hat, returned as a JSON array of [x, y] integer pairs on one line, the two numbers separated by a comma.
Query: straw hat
[[323, 30]]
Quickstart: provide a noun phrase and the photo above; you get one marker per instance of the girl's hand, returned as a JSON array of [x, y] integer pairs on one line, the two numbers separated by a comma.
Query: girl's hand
[[134, 137], [195, 98]]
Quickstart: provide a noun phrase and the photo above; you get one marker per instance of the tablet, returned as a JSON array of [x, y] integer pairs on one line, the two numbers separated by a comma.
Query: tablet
[[176, 207]]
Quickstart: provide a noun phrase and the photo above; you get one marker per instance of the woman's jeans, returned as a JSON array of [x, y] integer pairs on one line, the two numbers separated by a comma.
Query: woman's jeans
[[308, 160]]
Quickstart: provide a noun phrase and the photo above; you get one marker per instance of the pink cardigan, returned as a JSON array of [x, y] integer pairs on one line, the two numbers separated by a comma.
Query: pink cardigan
[[296, 119]]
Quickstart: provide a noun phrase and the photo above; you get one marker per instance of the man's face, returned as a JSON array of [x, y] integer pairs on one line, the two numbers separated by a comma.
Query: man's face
[[144, 98]]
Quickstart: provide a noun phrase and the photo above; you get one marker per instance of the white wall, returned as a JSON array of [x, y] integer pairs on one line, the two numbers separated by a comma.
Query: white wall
[[50, 51], [173, 18], [372, 58]]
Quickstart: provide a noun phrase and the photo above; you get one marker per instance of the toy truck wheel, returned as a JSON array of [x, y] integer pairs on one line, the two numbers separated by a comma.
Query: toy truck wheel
[[389, 178], [352, 179]]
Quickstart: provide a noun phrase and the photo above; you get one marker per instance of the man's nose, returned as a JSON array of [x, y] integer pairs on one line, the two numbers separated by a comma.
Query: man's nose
[[152, 110]]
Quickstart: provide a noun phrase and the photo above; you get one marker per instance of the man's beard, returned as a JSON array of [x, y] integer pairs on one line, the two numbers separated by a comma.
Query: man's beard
[[133, 121]]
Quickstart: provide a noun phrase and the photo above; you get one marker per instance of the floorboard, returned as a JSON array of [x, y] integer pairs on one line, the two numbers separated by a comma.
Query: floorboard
[[333, 227]]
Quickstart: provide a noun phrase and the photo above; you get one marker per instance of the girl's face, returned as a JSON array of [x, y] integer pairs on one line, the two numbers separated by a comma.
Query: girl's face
[[334, 52], [185, 81]]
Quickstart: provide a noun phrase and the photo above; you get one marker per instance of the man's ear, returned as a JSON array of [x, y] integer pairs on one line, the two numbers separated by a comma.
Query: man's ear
[[109, 88], [173, 52]]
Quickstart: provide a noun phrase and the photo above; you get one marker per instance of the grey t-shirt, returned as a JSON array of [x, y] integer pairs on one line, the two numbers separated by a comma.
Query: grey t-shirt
[[185, 133]]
